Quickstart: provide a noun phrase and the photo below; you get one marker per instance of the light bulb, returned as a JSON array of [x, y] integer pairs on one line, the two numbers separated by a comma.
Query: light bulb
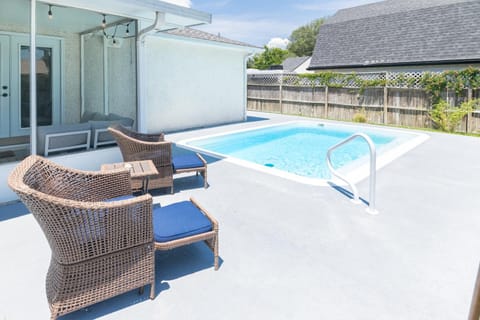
[[50, 14], [104, 21]]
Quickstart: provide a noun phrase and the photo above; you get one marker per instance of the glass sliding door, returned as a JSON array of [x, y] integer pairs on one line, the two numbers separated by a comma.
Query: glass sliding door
[[44, 86]]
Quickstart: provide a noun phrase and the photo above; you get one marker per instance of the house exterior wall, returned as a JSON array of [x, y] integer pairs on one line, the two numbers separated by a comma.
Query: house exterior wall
[[121, 77], [193, 84], [94, 82]]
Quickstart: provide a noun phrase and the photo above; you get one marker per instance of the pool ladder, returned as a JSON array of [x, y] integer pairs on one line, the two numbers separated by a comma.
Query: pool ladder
[[373, 166]]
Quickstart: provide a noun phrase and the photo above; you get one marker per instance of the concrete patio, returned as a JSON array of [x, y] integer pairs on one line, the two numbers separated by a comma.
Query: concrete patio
[[294, 251]]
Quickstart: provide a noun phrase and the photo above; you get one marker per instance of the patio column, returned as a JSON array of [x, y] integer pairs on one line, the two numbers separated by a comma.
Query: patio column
[[33, 78]]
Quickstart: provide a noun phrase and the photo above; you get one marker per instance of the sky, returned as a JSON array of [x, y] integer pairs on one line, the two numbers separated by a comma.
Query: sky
[[257, 22]]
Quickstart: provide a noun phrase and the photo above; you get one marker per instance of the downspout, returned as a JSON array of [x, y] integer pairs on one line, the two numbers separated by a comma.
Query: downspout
[[33, 78], [141, 69]]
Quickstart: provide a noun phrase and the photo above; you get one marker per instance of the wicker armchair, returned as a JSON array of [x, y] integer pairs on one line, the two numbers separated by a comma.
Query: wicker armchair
[[139, 146], [99, 248]]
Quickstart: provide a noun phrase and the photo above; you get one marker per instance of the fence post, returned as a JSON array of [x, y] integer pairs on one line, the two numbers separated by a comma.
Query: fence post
[[326, 102], [281, 93], [469, 115], [385, 104]]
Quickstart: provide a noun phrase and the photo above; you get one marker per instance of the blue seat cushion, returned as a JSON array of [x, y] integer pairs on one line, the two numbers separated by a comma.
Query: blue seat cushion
[[186, 161], [178, 220]]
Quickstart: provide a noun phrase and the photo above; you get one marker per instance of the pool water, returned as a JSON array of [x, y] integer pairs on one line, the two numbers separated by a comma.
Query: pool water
[[299, 148]]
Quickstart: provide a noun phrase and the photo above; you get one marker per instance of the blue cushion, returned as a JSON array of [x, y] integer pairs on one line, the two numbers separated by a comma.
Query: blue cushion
[[178, 220], [186, 161], [119, 198]]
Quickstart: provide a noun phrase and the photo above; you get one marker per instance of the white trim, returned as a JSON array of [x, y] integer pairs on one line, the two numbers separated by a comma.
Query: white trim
[[226, 45], [82, 74], [33, 78], [105, 76], [5, 81]]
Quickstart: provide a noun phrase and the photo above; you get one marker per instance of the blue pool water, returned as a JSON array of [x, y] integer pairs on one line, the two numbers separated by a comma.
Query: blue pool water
[[299, 148]]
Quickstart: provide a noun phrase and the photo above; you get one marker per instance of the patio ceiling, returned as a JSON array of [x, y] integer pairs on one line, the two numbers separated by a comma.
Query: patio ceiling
[[143, 10], [67, 20], [87, 14]]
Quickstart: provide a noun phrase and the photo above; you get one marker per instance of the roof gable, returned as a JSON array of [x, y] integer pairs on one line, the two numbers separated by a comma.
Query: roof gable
[[290, 64], [202, 35], [426, 35]]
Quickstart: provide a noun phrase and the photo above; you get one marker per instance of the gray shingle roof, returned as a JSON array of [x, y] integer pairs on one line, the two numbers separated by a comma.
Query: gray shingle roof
[[202, 35], [400, 32], [290, 64]]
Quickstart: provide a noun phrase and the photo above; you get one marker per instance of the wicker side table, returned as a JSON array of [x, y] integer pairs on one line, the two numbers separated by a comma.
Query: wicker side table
[[138, 170]]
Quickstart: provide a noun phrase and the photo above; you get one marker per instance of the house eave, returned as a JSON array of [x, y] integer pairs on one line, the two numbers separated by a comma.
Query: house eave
[[397, 64], [246, 48]]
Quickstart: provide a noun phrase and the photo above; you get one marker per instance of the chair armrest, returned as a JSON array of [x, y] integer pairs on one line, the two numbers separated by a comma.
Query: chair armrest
[[205, 212]]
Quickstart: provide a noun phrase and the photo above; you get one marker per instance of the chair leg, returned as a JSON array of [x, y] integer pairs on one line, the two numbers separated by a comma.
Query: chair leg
[[152, 291], [213, 245], [215, 253], [141, 290], [204, 175]]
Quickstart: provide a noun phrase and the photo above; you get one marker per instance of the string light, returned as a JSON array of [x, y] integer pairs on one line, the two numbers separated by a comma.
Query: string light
[[50, 14], [104, 21], [127, 31]]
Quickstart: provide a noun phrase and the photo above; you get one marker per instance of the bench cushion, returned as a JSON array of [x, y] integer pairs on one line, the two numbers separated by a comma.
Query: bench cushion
[[179, 220], [186, 161]]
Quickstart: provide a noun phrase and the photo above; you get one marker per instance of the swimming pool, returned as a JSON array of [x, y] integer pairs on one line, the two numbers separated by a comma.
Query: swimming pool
[[297, 150]]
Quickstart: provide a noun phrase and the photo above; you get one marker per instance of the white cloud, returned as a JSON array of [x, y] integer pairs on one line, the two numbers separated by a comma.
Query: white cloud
[[183, 3], [278, 43]]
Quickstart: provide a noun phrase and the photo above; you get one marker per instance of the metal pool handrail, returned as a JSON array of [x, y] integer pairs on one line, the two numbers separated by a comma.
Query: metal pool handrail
[[373, 166]]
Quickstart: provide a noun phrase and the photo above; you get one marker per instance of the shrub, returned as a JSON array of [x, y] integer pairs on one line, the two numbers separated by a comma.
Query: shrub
[[447, 118], [360, 117]]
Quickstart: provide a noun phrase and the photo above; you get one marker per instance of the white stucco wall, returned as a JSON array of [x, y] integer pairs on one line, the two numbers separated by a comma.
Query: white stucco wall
[[193, 84]]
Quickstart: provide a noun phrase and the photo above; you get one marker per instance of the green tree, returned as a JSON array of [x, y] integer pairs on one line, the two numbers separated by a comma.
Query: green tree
[[302, 39], [269, 57]]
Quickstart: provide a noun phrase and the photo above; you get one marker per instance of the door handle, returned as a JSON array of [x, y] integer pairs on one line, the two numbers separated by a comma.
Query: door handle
[[5, 95]]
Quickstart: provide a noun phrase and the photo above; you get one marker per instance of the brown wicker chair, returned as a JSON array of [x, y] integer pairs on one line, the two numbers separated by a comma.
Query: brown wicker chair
[[139, 146], [99, 248]]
